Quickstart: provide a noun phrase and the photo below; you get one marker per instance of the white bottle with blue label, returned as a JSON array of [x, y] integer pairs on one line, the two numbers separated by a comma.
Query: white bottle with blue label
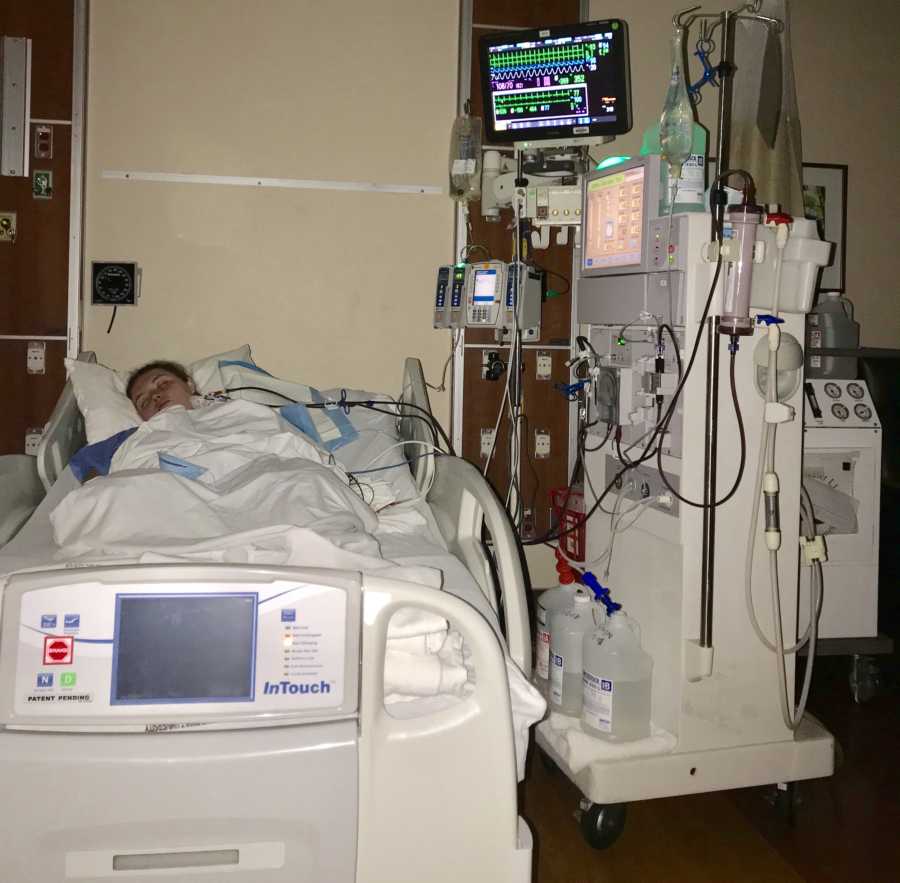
[[567, 630], [616, 682]]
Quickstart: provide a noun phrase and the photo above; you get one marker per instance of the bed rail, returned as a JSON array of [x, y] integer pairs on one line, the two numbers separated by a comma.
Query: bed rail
[[463, 503], [63, 434], [414, 430]]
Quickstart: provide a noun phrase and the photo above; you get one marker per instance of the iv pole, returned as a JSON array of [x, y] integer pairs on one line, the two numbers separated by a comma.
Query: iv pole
[[725, 70]]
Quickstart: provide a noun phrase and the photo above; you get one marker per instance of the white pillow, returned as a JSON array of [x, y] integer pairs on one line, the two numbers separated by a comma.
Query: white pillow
[[100, 391], [206, 374]]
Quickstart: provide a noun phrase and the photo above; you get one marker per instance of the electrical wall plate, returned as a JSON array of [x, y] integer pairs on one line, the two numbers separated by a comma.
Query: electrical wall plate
[[114, 283], [8, 227], [36, 357], [42, 184], [43, 142]]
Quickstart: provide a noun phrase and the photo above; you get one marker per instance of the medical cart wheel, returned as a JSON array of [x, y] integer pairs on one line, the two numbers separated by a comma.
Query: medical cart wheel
[[602, 823]]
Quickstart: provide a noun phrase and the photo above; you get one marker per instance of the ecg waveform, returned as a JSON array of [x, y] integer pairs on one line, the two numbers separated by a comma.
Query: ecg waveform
[[537, 100], [546, 56]]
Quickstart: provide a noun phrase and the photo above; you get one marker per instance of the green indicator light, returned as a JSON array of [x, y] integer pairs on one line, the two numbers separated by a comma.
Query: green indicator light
[[615, 26], [611, 161]]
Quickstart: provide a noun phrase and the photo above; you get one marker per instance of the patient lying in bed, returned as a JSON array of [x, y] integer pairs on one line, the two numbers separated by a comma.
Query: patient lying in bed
[[158, 385]]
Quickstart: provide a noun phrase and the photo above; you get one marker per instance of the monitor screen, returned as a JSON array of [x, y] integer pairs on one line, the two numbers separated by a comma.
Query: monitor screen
[[485, 290], [184, 648], [614, 215], [556, 83]]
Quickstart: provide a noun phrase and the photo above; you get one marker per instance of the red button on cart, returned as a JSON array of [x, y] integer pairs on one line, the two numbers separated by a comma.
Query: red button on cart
[[58, 650]]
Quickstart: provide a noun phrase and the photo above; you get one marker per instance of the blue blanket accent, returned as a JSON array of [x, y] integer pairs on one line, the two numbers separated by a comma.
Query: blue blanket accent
[[177, 466], [299, 417], [95, 459], [225, 362]]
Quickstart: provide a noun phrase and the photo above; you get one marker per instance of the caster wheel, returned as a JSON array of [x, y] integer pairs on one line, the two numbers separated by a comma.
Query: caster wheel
[[602, 823]]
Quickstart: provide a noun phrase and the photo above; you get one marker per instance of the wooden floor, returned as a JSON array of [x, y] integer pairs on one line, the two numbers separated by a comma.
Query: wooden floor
[[846, 828]]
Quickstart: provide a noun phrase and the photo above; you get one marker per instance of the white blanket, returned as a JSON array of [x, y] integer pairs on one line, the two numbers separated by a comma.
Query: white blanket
[[265, 495], [262, 493]]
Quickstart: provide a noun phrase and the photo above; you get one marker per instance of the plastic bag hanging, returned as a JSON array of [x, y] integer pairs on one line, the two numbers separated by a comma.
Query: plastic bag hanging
[[677, 120]]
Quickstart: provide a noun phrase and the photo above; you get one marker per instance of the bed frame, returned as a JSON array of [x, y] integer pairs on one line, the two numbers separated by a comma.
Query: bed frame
[[463, 503], [437, 795]]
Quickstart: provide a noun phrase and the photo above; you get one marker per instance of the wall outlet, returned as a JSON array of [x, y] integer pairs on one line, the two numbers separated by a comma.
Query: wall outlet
[[541, 444], [33, 436], [544, 366], [42, 184], [487, 442], [492, 366], [527, 529], [36, 357], [43, 142], [8, 227]]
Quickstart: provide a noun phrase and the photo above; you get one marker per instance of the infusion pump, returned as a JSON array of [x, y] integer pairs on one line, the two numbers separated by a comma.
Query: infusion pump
[[489, 294]]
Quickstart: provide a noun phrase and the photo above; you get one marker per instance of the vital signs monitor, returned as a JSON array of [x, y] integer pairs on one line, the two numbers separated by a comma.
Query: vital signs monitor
[[557, 83]]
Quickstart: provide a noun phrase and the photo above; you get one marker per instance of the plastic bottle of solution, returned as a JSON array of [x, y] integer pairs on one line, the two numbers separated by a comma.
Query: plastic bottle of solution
[[567, 630], [830, 325], [690, 196], [548, 603], [616, 682]]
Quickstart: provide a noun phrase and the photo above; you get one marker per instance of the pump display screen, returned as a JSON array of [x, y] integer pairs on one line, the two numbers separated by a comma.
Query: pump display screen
[[485, 291], [614, 220], [184, 648], [554, 83]]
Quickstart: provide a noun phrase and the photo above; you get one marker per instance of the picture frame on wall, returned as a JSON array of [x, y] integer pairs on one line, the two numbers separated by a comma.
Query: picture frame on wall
[[825, 202]]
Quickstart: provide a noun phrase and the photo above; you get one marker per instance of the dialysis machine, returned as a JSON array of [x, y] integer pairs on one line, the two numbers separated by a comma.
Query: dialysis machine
[[649, 286]]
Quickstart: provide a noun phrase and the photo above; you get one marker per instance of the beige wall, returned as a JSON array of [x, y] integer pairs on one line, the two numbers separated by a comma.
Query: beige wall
[[329, 287], [848, 94]]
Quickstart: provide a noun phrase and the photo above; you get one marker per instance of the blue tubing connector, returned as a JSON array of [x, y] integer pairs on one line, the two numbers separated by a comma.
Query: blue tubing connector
[[601, 593]]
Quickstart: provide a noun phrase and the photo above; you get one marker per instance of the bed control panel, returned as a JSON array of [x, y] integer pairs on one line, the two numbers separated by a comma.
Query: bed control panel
[[172, 649]]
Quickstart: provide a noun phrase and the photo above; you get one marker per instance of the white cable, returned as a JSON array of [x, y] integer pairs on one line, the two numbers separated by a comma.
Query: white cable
[[766, 465], [641, 507]]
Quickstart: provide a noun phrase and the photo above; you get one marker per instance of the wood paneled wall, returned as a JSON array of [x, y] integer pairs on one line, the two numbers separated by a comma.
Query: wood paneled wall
[[543, 406], [34, 269]]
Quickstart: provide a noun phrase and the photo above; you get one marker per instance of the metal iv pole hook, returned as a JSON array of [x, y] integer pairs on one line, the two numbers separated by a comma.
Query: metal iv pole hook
[[677, 18]]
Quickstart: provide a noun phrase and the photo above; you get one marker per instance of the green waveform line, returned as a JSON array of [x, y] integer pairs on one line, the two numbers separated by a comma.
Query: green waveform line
[[552, 96], [549, 55]]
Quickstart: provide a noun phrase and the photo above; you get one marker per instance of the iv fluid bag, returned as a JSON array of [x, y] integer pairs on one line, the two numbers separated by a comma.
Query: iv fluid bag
[[465, 159], [677, 120]]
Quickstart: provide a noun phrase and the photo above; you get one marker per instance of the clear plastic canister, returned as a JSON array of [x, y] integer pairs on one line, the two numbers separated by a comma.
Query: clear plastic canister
[[567, 630], [616, 682], [739, 236], [548, 603]]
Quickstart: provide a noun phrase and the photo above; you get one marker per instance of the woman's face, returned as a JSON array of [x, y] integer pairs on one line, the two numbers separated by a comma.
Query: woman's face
[[158, 389]]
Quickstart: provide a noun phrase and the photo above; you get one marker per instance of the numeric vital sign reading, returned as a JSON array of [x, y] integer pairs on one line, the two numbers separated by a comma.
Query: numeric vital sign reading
[[565, 81]]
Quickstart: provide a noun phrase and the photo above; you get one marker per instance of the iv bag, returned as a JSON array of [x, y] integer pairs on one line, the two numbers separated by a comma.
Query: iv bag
[[677, 120], [465, 159]]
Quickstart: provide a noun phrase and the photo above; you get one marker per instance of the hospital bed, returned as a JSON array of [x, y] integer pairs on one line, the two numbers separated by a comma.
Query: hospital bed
[[333, 782]]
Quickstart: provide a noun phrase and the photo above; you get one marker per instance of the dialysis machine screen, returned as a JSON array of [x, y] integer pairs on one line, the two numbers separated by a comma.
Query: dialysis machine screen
[[184, 648], [614, 219], [557, 83]]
